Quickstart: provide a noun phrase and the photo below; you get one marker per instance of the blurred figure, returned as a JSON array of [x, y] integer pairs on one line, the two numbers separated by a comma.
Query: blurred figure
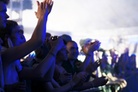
[[3, 19], [13, 70], [51, 85], [73, 65]]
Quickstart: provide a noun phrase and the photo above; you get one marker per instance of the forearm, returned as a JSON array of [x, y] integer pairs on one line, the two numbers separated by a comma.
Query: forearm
[[55, 84], [36, 40], [47, 64], [40, 30], [67, 87], [18, 52], [86, 61]]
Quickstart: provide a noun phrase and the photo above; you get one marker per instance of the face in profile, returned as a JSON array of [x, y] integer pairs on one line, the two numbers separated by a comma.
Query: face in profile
[[72, 49], [62, 54], [17, 36]]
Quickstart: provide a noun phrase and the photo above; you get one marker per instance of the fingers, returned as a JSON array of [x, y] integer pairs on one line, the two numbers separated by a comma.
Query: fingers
[[44, 4], [38, 3], [49, 2]]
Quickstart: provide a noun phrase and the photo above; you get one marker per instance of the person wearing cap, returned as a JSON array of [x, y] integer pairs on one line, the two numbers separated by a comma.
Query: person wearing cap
[[88, 49], [73, 65]]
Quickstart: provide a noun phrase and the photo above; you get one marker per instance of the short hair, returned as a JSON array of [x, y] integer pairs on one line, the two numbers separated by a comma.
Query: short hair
[[9, 26], [66, 38], [8, 30], [5, 1]]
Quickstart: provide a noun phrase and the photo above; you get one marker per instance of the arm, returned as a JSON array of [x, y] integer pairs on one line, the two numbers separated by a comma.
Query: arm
[[46, 65], [36, 40], [88, 59], [67, 87], [55, 84], [91, 84], [89, 52]]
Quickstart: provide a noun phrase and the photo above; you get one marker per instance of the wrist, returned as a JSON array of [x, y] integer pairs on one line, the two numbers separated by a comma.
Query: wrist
[[43, 18]]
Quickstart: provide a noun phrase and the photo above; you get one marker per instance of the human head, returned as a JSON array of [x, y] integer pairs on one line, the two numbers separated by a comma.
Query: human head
[[66, 38], [72, 49], [62, 54], [13, 32], [3, 14], [85, 44]]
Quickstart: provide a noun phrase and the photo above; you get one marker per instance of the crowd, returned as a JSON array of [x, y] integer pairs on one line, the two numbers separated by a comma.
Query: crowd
[[55, 66]]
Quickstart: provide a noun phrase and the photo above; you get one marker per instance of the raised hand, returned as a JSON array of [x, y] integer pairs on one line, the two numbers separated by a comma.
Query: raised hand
[[50, 5], [57, 44], [44, 8], [94, 46]]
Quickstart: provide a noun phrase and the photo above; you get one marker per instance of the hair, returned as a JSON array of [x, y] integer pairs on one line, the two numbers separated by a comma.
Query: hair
[[9, 26], [72, 41], [66, 38], [6, 32]]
